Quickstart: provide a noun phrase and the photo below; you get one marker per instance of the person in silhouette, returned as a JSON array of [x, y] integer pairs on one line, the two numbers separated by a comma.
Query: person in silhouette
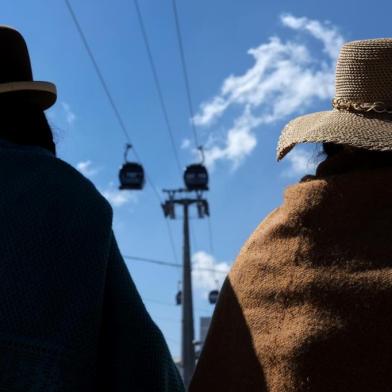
[[71, 318], [307, 304]]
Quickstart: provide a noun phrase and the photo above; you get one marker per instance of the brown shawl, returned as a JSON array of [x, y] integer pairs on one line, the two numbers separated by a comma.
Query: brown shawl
[[308, 303]]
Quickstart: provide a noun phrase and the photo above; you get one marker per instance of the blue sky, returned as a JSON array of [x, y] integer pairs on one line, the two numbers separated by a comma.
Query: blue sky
[[252, 66]]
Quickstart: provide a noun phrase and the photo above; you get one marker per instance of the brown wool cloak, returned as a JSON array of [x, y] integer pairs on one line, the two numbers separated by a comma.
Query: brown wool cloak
[[308, 303]]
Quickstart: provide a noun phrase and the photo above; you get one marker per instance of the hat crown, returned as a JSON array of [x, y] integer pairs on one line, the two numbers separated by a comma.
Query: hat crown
[[362, 107], [15, 65], [364, 71]]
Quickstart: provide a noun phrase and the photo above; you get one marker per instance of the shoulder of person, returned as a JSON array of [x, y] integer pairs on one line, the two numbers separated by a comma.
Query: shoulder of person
[[70, 186]]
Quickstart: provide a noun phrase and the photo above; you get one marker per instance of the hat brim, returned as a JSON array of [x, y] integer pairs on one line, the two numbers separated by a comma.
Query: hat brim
[[368, 131], [42, 94]]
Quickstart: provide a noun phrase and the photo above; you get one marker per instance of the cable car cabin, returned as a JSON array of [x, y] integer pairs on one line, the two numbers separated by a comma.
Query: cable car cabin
[[131, 176], [179, 298], [213, 297], [196, 177]]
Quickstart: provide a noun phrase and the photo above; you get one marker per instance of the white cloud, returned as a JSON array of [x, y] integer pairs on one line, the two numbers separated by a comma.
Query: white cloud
[[203, 276], [118, 198], [70, 116], [326, 33], [240, 141], [86, 168], [186, 143], [286, 78], [300, 162], [211, 110]]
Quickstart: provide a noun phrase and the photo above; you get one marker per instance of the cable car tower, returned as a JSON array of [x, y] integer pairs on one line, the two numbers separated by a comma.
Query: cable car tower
[[196, 182]]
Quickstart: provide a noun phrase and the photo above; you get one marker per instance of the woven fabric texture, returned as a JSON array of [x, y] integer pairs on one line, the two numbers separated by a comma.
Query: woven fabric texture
[[307, 304], [71, 318]]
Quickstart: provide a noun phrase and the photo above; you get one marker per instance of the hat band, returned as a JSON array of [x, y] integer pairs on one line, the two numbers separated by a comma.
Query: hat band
[[354, 106]]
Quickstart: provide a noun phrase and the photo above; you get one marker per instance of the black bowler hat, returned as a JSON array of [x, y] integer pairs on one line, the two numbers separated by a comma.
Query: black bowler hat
[[16, 77]]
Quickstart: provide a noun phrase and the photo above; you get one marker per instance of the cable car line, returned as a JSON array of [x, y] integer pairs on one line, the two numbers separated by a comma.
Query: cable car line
[[185, 72], [193, 181], [190, 103], [167, 319], [153, 301], [211, 240], [114, 107], [162, 101], [157, 83], [171, 241], [98, 71], [153, 261], [168, 264], [163, 107], [107, 91], [157, 302]]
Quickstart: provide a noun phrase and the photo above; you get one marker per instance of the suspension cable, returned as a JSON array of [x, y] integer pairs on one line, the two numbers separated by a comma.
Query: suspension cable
[[185, 72], [157, 84]]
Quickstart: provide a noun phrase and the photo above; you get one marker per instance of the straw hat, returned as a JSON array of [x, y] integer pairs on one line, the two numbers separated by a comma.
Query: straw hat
[[16, 77], [362, 108]]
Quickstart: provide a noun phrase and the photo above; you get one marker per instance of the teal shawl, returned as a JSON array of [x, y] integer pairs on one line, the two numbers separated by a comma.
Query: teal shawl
[[71, 318]]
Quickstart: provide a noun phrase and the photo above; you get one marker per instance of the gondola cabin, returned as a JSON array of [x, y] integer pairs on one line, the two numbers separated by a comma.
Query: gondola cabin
[[131, 176], [179, 298], [196, 177], [213, 296]]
